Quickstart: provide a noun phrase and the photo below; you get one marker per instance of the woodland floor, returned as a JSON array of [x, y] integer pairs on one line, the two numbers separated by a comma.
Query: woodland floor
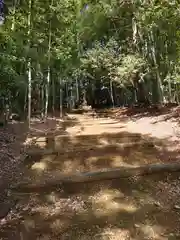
[[146, 207]]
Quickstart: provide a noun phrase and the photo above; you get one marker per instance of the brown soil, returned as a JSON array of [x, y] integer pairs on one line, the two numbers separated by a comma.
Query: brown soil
[[133, 208]]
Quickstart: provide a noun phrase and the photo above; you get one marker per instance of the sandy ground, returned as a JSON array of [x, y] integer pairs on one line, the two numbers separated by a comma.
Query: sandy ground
[[152, 126], [134, 208]]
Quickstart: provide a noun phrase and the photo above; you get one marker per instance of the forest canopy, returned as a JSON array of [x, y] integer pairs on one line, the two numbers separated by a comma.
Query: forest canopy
[[54, 54]]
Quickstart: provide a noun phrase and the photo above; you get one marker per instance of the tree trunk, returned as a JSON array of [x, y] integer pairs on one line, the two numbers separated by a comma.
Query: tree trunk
[[67, 95], [48, 71], [135, 34], [60, 98], [177, 93], [25, 100], [29, 92], [77, 91], [42, 101], [169, 79], [159, 81], [111, 91], [29, 66], [53, 97], [14, 15], [47, 93]]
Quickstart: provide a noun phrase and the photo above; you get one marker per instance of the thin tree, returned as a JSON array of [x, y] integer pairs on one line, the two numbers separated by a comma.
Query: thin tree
[[48, 70], [29, 65]]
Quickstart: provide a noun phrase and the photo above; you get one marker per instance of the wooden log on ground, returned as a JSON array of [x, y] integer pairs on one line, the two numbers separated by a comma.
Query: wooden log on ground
[[41, 152], [123, 172]]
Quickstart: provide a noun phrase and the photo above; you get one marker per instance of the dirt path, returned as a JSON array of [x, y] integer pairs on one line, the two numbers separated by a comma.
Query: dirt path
[[134, 208], [154, 126]]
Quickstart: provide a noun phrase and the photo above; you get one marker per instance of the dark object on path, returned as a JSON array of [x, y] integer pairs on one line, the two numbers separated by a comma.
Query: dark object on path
[[15, 116]]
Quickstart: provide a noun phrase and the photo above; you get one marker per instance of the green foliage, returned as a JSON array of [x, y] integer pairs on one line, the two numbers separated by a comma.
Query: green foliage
[[108, 41], [131, 65], [101, 61]]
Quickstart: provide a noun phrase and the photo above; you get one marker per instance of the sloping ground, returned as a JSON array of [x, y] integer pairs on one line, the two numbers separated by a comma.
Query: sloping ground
[[133, 208], [11, 140]]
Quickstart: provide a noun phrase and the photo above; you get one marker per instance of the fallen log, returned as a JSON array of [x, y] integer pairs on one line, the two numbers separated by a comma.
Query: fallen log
[[84, 177], [41, 152]]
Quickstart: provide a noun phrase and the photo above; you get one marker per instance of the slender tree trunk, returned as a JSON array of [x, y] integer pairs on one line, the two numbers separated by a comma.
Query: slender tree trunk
[[29, 67], [60, 99], [67, 96], [78, 15], [7, 108], [47, 93], [135, 96], [169, 90], [176, 98], [169, 79], [135, 32], [25, 100], [53, 97], [14, 16], [71, 99], [42, 101], [159, 80], [111, 92], [48, 72], [29, 92], [77, 91]]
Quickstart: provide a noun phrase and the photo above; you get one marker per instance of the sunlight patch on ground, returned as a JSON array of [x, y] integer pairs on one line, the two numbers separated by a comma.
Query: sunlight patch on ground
[[48, 158], [59, 224], [150, 231], [92, 160], [107, 195], [43, 164], [41, 139], [118, 161], [113, 234], [69, 166], [39, 166], [29, 140], [104, 162], [137, 157], [45, 211], [108, 162], [104, 203], [52, 205], [52, 198], [41, 142], [109, 207], [146, 198], [103, 142]]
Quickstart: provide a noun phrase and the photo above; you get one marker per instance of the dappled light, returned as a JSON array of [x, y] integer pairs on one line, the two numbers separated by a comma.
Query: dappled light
[[93, 152], [113, 233], [89, 120], [39, 167], [106, 207], [138, 207], [132, 208]]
